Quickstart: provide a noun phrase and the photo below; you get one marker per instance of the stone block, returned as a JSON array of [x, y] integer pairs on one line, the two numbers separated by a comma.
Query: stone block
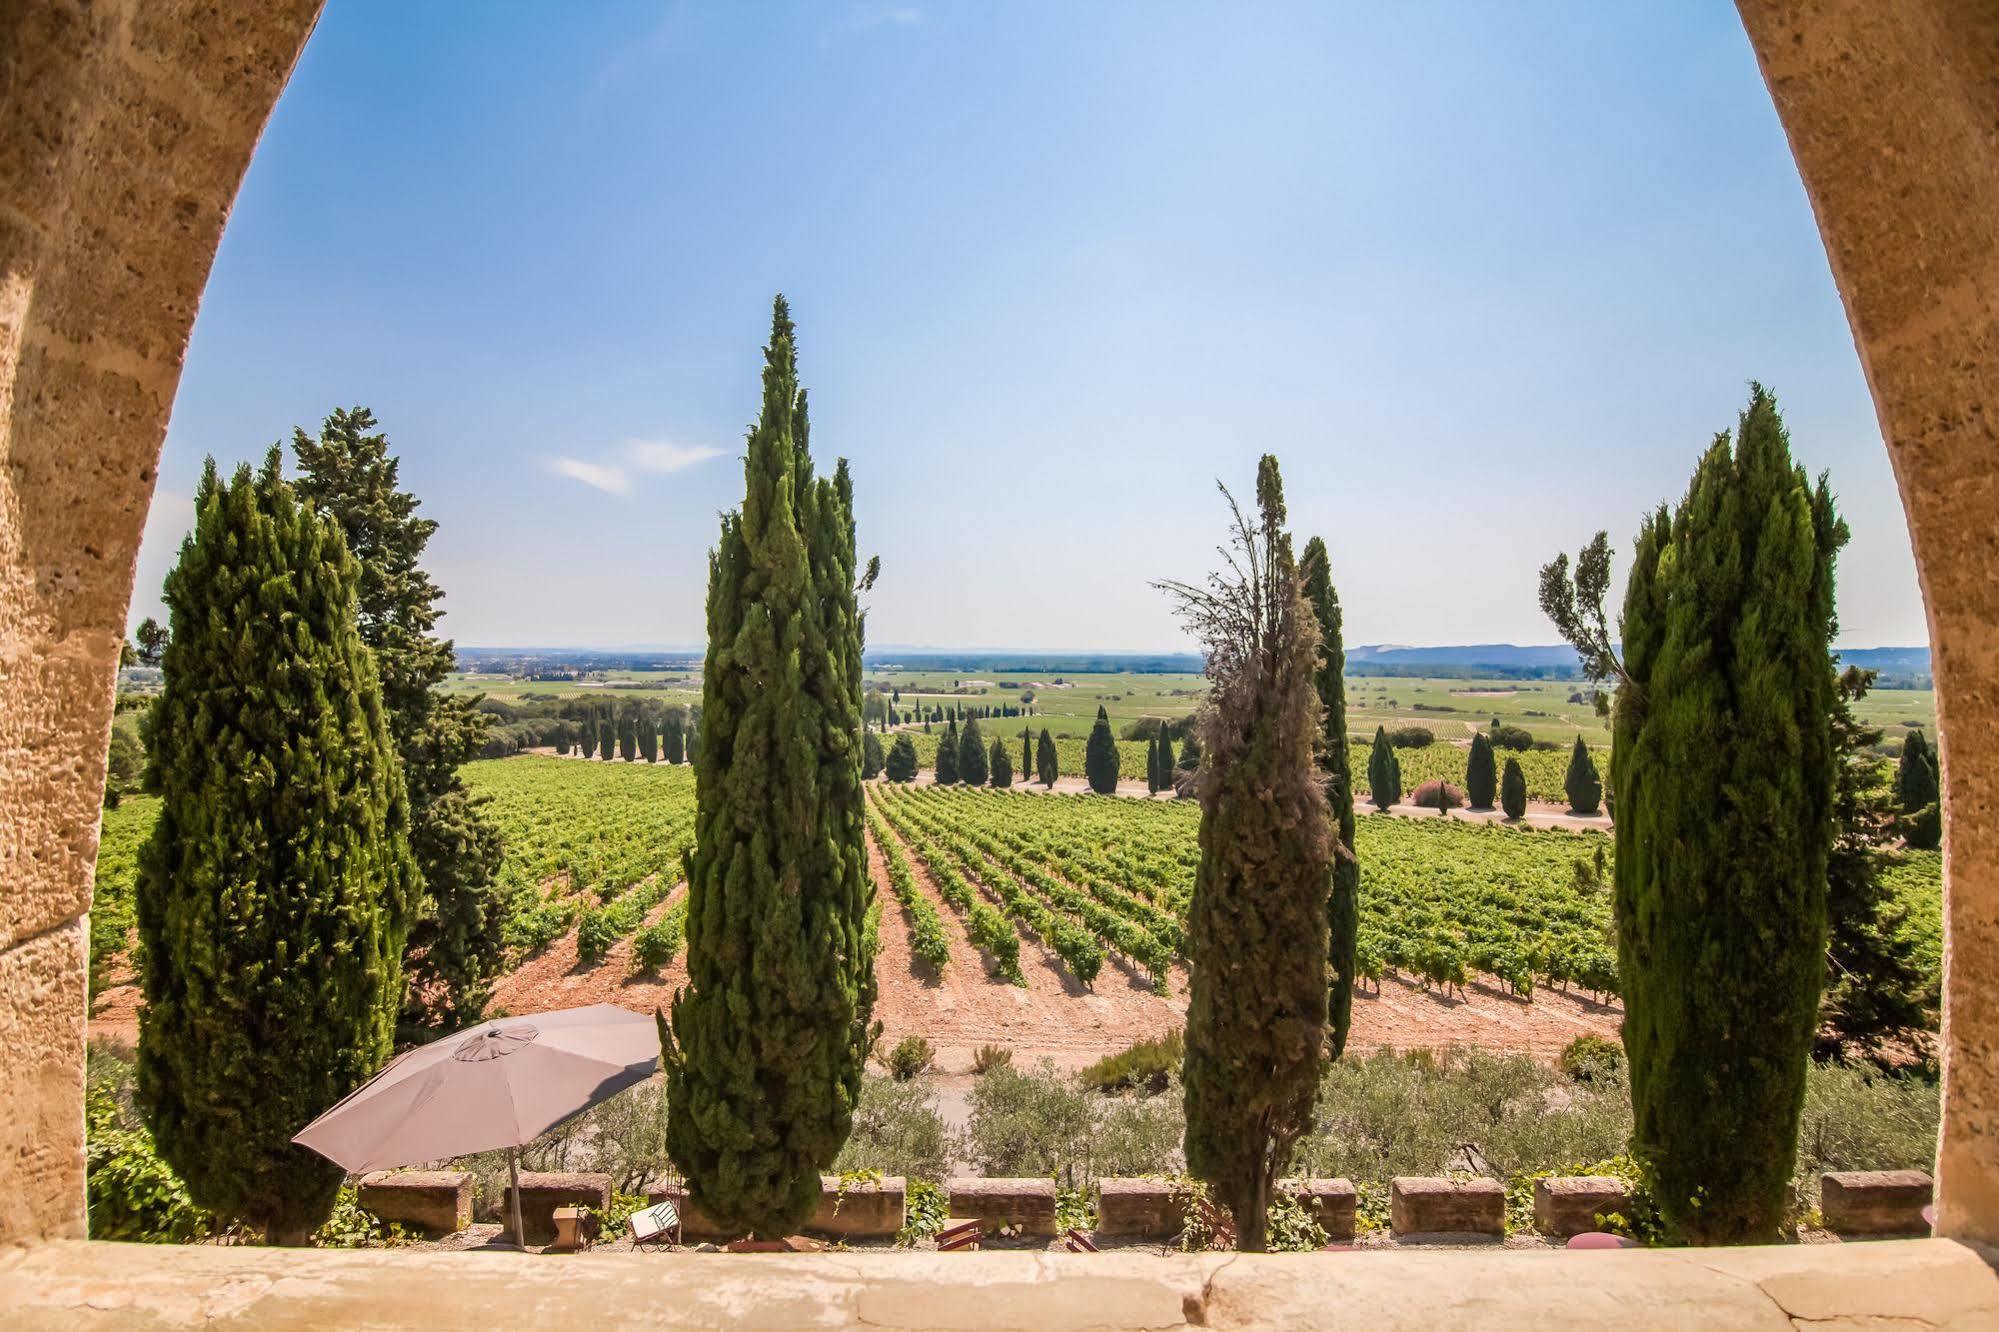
[[1027, 1205], [1140, 1208], [1875, 1202], [437, 1202], [1330, 1202], [543, 1192], [1566, 1205], [872, 1210], [1419, 1206]]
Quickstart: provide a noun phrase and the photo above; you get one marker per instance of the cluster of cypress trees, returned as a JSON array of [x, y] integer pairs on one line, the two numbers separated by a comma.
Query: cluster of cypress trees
[[1343, 900], [766, 1044], [1159, 762], [276, 893], [1101, 761]]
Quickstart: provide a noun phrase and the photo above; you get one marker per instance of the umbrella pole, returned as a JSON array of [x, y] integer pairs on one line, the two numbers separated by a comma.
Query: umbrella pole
[[514, 1172]]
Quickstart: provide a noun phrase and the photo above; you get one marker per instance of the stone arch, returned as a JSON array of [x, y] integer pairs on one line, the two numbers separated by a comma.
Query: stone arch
[[129, 125]]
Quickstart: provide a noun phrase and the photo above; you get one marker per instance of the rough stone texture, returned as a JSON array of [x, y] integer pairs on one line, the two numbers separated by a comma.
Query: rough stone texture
[[874, 1210], [1875, 1202], [1418, 1206], [1140, 1208], [437, 1202], [74, 1287], [544, 1191], [1028, 1204], [1566, 1205], [127, 127], [1890, 110], [1330, 1202]]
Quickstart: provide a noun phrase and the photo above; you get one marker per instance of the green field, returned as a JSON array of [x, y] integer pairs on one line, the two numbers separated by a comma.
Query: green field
[[596, 847]]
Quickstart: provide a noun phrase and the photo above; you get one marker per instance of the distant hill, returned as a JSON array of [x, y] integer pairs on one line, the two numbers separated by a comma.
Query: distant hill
[[1506, 661]]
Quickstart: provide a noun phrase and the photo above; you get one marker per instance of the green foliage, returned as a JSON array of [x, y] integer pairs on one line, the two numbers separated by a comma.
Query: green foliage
[[972, 758], [1858, 1118], [454, 949], [926, 1208], [901, 764], [656, 945], [275, 894], [150, 638], [1384, 772], [1046, 769], [124, 764], [897, 1131], [1723, 764], [1481, 773], [1917, 782], [911, 1055], [989, 1057], [1100, 757], [987, 928], [133, 1194], [1292, 1229], [767, 1042], [1513, 790], [1144, 1065], [947, 755], [352, 1226], [1336, 761], [1582, 785], [927, 939], [1412, 737], [1593, 1059], [1029, 1123], [1257, 922], [1001, 764], [871, 756]]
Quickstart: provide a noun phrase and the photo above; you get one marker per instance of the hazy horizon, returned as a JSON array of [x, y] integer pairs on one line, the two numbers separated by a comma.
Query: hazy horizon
[[1485, 280]]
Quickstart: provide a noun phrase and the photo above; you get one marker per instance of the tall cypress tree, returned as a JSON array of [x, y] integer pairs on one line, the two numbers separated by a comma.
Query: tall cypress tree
[[1026, 755], [1918, 789], [586, 744], [947, 755], [1343, 901], [900, 765], [1165, 760], [871, 755], [1152, 764], [673, 739], [766, 1046], [275, 894], [1583, 786], [1001, 765], [1513, 790], [456, 940], [648, 740], [1100, 756], [1723, 763], [1046, 767], [628, 738], [1481, 773], [1384, 772], [607, 739], [973, 766], [1256, 925]]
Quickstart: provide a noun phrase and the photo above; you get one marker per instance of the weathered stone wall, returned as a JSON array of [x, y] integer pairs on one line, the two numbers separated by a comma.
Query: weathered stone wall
[[125, 128], [1891, 111]]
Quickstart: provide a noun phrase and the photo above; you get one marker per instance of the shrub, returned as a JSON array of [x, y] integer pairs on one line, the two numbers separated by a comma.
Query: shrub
[[989, 1057], [1858, 1118], [655, 945], [1138, 1135], [897, 1131], [1146, 1065], [1033, 1123], [595, 933], [1582, 784], [1437, 794], [927, 1209], [911, 1055], [1412, 737], [1510, 737], [1513, 790], [1593, 1059], [132, 1194]]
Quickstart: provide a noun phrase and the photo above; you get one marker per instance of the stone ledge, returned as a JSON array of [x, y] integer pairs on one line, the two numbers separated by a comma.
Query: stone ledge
[[75, 1286], [438, 1202], [544, 1191], [1028, 1204], [1566, 1205], [1421, 1206], [869, 1210], [1875, 1202]]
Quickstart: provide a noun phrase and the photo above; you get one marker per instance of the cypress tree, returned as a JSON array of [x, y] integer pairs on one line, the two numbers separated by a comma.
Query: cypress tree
[[628, 739], [1918, 789], [871, 756], [607, 739], [456, 938], [1001, 764], [586, 744], [1026, 755], [1384, 772], [1190, 753], [973, 764], [648, 740], [1046, 767], [1723, 763], [767, 1042], [674, 741], [1256, 925], [1152, 765], [1513, 790], [900, 765], [1343, 900], [275, 893], [1481, 774], [1165, 760], [1584, 787], [947, 755], [1100, 756]]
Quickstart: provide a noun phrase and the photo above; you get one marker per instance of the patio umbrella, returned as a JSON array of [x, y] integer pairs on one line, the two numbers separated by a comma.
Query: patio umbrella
[[502, 1083]]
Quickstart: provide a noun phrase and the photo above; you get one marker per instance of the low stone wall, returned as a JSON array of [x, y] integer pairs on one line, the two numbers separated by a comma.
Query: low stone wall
[[1875, 1202], [1566, 1205], [1028, 1205], [1330, 1202], [1418, 1206], [1140, 1208], [875, 1210], [543, 1192], [437, 1202]]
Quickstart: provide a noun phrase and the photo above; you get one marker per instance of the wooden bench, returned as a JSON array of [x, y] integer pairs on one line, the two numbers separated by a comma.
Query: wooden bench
[[960, 1235]]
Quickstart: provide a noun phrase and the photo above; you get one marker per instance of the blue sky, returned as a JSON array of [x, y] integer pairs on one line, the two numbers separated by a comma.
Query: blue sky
[[1484, 277]]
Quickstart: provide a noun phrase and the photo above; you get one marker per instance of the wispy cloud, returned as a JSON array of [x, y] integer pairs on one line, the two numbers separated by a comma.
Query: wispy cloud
[[881, 16], [609, 479], [658, 455]]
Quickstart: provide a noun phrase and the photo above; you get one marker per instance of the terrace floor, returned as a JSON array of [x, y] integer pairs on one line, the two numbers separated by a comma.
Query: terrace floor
[[1906, 1284]]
